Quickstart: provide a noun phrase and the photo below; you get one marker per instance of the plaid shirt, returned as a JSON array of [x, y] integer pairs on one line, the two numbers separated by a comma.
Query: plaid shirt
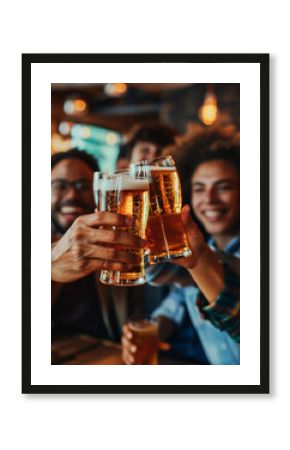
[[224, 313]]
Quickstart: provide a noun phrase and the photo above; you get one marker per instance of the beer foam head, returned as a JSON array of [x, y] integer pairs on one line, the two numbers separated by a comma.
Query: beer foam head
[[121, 182], [144, 326], [128, 183], [99, 183], [161, 168]]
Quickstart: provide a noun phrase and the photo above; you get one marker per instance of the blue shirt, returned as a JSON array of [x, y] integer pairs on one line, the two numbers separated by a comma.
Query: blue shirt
[[216, 344]]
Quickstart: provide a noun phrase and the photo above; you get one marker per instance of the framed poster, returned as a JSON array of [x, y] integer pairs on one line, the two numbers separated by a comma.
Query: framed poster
[[71, 101]]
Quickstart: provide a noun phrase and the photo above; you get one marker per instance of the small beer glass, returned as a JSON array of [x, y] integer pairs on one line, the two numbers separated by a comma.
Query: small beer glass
[[145, 336]]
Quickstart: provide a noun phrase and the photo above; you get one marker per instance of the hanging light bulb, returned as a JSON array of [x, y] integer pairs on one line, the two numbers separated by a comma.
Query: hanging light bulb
[[209, 109]]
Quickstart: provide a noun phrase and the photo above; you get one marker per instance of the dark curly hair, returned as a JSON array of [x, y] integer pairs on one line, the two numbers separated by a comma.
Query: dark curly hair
[[159, 134], [75, 153], [204, 145]]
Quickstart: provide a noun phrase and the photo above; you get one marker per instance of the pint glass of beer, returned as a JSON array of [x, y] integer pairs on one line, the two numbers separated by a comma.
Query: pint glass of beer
[[165, 230], [145, 336], [127, 193]]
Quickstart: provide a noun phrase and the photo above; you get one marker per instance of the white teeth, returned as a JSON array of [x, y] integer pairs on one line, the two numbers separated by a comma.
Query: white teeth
[[71, 209], [212, 213]]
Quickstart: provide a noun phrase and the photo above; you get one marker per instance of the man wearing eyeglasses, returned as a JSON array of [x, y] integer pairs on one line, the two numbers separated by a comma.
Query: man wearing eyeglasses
[[82, 245], [71, 189], [86, 245]]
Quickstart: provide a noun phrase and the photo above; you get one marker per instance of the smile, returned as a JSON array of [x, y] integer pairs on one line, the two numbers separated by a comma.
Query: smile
[[214, 215], [72, 210]]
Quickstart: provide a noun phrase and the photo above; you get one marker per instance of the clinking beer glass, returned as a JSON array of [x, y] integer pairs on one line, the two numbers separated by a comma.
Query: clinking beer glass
[[125, 192], [165, 230]]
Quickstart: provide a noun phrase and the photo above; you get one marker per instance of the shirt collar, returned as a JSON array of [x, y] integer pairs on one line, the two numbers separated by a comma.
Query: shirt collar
[[232, 246]]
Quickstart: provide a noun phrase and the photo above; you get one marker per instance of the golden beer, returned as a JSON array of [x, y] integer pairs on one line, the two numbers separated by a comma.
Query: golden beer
[[145, 336], [165, 230], [124, 194]]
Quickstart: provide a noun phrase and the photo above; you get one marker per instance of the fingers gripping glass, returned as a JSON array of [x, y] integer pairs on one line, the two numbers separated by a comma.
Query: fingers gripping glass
[[125, 193]]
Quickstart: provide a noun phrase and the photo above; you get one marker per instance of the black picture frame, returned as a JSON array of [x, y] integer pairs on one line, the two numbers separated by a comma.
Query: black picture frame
[[263, 61]]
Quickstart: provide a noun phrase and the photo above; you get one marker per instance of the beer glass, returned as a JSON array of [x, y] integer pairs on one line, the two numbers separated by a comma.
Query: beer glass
[[165, 230], [99, 187], [125, 192], [145, 335]]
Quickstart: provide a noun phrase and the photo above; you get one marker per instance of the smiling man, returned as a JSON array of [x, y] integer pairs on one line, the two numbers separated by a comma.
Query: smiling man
[[216, 196], [83, 243], [205, 305], [71, 188]]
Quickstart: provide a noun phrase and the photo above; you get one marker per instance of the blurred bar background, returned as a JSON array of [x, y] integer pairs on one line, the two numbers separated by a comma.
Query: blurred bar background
[[97, 117]]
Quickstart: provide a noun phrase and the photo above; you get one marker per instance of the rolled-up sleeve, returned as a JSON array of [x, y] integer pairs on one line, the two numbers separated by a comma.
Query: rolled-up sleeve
[[172, 307], [224, 313]]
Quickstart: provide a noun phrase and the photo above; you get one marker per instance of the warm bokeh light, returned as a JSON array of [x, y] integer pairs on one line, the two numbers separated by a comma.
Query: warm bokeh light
[[74, 106], [80, 105], [115, 89], [208, 111], [112, 138], [85, 132], [58, 144], [208, 114], [121, 88]]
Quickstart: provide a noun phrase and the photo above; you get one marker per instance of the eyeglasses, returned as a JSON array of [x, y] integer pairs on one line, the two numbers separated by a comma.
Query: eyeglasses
[[63, 186]]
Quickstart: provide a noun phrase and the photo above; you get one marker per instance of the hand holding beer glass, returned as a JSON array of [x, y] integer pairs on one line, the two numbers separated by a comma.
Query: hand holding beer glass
[[165, 230], [125, 192], [143, 339]]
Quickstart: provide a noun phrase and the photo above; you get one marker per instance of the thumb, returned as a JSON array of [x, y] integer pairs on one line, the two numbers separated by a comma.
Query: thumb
[[190, 227], [194, 235]]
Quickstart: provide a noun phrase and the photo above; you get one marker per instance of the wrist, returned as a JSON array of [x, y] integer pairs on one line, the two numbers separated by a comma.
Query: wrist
[[208, 274]]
